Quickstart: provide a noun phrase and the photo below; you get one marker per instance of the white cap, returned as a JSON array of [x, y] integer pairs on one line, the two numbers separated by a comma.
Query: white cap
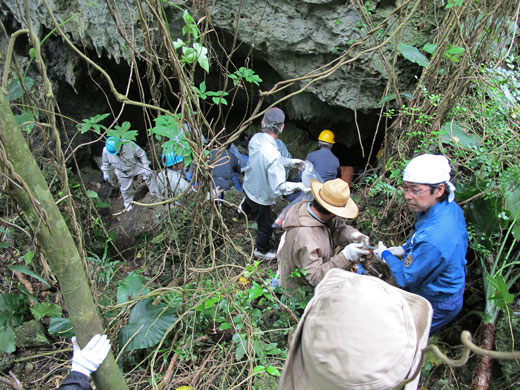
[[430, 169]]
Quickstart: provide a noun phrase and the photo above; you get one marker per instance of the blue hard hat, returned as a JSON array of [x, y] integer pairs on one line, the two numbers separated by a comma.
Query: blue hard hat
[[113, 145], [171, 158]]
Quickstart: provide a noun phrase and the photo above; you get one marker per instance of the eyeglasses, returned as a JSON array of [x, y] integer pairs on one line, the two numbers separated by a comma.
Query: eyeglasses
[[406, 189]]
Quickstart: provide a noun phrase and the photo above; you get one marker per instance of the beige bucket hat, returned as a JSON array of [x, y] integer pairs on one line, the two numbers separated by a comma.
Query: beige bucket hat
[[357, 332], [334, 195]]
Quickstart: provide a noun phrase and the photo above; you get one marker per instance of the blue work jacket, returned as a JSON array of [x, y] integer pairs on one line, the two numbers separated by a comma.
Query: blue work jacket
[[434, 263], [326, 163]]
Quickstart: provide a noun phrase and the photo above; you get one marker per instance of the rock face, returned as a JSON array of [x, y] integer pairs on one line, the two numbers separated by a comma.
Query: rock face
[[288, 38]]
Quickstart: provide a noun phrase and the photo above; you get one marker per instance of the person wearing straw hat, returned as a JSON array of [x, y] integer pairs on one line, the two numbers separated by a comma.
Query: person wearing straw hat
[[358, 332], [432, 262], [313, 230]]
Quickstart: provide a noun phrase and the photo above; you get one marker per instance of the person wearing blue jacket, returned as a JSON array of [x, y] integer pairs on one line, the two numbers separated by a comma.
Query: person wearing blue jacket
[[432, 262], [323, 160]]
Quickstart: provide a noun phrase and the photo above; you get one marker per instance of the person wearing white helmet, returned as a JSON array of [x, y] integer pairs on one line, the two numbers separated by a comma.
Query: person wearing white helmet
[[432, 262], [358, 332], [126, 160]]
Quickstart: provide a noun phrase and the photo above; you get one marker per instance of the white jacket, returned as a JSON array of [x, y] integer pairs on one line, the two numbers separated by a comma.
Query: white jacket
[[171, 183], [264, 178], [130, 161]]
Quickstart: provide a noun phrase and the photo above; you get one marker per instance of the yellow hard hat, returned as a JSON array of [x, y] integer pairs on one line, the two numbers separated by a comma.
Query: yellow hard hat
[[326, 136]]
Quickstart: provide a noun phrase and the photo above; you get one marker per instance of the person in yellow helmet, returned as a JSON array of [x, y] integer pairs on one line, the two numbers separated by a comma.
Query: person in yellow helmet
[[323, 160]]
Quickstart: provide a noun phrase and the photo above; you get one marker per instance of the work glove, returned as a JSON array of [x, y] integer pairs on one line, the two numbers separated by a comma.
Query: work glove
[[88, 359], [302, 188], [396, 251], [354, 251], [297, 163], [380, 249], [106, 176], [357, 236], [146, 174], [217, 192]]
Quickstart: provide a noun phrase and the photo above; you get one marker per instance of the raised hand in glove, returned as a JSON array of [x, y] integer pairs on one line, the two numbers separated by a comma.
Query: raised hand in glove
[[357, 236], [354, 251], [106, 176], [297, 163], [146, 174], [302, 188], [396, 251], [88, 359], [380, 249]]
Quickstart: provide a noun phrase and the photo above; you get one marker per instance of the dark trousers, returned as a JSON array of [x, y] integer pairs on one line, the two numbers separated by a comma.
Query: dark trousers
[[262, 215]]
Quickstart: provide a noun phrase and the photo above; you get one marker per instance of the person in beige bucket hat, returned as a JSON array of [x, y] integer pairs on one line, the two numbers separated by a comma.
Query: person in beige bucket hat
[[313, 230], [358, 332]]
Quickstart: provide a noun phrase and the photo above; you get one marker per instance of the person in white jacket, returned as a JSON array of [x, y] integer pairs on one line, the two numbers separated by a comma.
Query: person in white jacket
[[170, 181], [124, 160], [265, 179]]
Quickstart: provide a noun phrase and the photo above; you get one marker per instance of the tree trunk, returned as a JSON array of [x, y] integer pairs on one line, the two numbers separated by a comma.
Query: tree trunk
[[55, 240], [482, 374]]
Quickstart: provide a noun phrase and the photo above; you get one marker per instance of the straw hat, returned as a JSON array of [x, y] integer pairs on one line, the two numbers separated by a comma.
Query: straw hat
[[357, 332], [334, 195]]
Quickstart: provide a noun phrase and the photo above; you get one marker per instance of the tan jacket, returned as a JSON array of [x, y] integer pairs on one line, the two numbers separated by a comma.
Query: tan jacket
[[310, 245]]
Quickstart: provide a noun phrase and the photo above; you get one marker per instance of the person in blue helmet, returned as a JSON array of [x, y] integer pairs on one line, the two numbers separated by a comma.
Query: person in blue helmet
[[122, 161], [170, 181], [432, 262], [85, 361]]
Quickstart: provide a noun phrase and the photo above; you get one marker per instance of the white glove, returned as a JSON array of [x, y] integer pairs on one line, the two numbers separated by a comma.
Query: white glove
[[380, 249], [217, 192], [106, 176], [357, 236], [354, 251], [146, 174], [302, 187], [297, 163], [88, 359], [396, 251]]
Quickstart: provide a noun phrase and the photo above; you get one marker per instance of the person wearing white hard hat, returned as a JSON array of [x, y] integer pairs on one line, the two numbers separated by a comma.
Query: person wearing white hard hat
[[358, 332], [313, 230], [432, 262]]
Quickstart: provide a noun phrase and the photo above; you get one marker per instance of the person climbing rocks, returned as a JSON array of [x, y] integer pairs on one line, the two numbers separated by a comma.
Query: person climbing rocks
[[313, 230], [124, 160], [432, 262], [85, 361], [265, 179], [170, 181], [358, 332]]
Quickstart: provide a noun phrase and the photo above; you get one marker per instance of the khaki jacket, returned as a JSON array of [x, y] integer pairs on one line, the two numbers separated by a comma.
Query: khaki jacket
[[309, 244]]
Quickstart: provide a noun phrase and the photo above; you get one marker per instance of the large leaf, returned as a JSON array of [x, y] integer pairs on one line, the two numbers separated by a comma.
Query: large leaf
[[413, 54], [24, 270], [131, 288], [44, 309], [512, 204], [61, 327], [147, 325], [454, 134], [15, 90], [7, 343], [13, 307]]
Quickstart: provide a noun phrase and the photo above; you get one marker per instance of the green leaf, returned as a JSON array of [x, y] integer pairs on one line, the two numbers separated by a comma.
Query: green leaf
[[178, 43], [15, 90], [92, 124], [454, 52], [7, 343], [44, 309], [12, 309], [61, 327], [204, 62], [131, 288], [241, 348], [258, 369], [411, 53], [28, 257], [453, 3], [147, 325], [255, 291], [454, 134], [501, 294], [272, 371], [429, 48], [102, 205], [224, 326], [92, 194], [27, 271], [25, 121]]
